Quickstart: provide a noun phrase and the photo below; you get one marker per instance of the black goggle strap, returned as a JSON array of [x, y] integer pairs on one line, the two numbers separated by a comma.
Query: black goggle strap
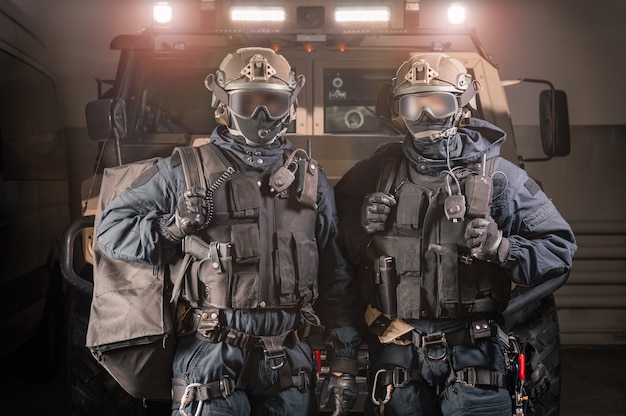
[[211, 85], [294, 94], [469, 93]]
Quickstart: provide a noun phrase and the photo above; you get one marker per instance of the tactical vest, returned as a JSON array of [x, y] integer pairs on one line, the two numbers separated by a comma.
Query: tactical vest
[[259, 250], [435, 274]]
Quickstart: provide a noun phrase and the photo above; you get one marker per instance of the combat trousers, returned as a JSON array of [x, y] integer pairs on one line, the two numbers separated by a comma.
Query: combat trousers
[[435, 392], [200, 361]]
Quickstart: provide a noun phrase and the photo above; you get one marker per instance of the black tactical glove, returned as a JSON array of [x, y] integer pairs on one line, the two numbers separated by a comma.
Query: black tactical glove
[[191, 213], [485, 240], [374, 211], [339, 393]]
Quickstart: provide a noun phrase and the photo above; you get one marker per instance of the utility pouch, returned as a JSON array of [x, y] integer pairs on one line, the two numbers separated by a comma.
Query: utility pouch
[[247, 242], [386, 281], [412, 205], [245, 197], [306, 190]]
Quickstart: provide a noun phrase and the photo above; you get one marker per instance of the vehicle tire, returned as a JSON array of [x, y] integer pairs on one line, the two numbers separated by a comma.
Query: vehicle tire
[[537, 327], [45, 348]]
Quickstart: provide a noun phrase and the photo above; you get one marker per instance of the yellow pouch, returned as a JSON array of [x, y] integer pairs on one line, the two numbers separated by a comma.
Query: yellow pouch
[[396, 329]]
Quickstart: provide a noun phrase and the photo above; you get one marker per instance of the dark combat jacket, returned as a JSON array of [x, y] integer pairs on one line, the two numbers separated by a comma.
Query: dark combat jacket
[[261, 227], [433, 284]]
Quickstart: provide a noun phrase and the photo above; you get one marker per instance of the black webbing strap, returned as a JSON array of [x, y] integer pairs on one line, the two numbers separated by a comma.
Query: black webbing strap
[[398, 376], [221, 388], [390, 169], [241, 339], [199, 163], [473, 376], [192, 166], [478, 330]]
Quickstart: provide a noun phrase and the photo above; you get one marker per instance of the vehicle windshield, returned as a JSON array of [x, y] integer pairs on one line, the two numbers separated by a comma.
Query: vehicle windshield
[[176, 101]]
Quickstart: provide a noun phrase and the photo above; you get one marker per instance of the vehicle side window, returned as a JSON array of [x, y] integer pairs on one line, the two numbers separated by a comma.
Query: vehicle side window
[[176, 101], [350, 100], [33, 147]]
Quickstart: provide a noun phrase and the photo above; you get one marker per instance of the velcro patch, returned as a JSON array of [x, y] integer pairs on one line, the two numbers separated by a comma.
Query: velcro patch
[[532, 186]]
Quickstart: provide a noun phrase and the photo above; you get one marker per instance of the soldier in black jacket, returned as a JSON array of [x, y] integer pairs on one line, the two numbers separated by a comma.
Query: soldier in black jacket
[[438, 227], [264, 259]]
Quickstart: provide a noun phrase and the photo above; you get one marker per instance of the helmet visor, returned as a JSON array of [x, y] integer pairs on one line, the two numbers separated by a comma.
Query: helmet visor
[[437, 104], [246, 104]]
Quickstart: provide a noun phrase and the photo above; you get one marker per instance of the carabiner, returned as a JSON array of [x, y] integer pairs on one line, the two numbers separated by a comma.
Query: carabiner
[[184, 400], [388, 390]]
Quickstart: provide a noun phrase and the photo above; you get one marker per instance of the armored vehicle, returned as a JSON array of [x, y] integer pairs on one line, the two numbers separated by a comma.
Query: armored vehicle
[[157, 101]]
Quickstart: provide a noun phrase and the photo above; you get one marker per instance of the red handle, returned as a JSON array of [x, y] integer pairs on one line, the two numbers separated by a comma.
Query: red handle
[[521, 369], [317, 356]]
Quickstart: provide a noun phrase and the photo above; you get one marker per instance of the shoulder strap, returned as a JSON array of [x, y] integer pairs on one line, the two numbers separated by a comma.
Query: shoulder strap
[[192, 166], [390, 166], [199, 163]]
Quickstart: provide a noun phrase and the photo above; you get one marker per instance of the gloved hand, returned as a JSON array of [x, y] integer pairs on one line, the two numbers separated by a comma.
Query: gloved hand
[[375, 210], [191, 213], [485, 240], [339, 393]]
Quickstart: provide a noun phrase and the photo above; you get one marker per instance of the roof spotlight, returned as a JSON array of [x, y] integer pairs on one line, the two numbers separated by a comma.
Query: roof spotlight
[[162, 13], [456, 14]]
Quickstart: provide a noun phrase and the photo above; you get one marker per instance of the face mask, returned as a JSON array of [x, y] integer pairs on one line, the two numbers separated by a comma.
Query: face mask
[[426, 130], [449, 147], [258, 130]]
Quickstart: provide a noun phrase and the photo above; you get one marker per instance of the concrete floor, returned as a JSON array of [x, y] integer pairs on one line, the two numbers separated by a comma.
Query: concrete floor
[[593, 383]]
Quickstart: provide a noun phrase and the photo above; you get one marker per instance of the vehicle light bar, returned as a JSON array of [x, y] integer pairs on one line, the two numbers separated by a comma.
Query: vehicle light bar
[[362, 14], [257, 14], [162, 13]]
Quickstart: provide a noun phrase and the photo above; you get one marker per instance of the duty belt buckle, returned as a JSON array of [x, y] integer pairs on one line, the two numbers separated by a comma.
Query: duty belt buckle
[[436, 339], [400, 377], [468, 377], [225, 387], [275, 360], [304, 380]]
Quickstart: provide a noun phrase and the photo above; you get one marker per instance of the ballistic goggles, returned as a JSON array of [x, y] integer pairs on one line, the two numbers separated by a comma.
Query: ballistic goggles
[[438, 105], [247, 103]]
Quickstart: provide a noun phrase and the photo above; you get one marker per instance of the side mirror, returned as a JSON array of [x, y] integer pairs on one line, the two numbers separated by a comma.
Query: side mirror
[[106, 119], [554, 123]]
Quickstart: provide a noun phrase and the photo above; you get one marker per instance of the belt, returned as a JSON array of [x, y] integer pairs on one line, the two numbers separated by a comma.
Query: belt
[[473, 376], [482, 329], [222, 388]]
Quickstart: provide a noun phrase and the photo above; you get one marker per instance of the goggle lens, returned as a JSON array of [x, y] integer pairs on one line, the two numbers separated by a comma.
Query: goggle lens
[[439, 105], [247, 103]]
